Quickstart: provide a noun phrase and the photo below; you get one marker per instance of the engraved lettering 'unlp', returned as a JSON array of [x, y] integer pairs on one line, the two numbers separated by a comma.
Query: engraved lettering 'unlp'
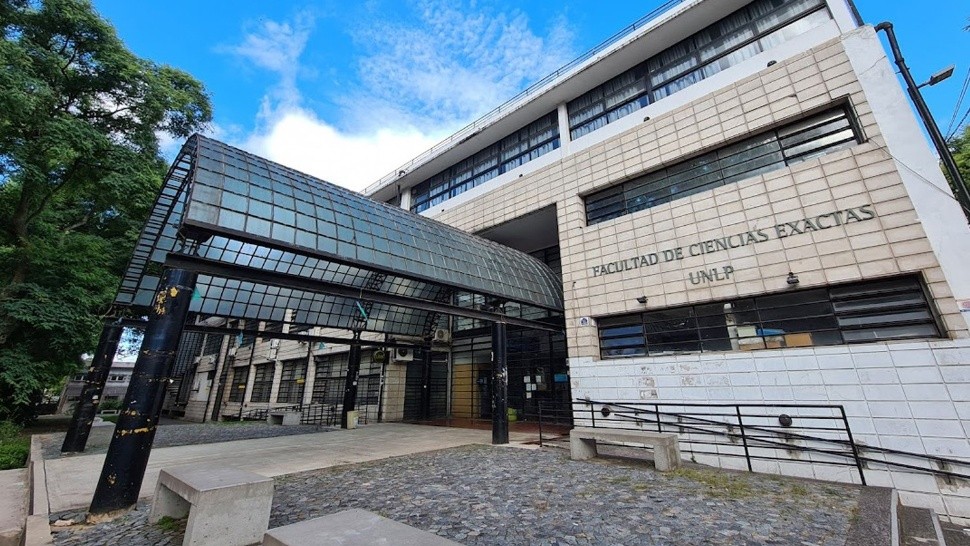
[[711, 275]]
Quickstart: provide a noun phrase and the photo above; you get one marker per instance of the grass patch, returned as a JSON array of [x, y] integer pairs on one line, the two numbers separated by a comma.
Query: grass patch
[[168, 523], [110, 418], [14, 446], [798, 490], [719, 484]]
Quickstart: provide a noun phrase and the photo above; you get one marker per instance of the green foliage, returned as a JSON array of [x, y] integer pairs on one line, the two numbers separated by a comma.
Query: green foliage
[[14, 446], [960, 146], [717, 483], [110, 405], [168, 523], [80, 117]]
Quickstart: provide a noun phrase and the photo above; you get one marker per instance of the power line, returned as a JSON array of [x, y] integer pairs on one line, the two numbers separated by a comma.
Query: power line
[[964, 118], [950, 129]]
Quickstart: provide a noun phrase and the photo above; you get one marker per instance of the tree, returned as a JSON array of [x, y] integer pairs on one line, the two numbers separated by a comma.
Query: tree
[[960, 146], [80, 119]]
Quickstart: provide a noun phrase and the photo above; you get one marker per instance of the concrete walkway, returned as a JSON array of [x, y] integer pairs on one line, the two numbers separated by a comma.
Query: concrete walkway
[[13, 506], [71, 481]]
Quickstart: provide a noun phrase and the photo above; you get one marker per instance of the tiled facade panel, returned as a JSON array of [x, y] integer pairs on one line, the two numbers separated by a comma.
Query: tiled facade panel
[[905, 395], [891, 243]]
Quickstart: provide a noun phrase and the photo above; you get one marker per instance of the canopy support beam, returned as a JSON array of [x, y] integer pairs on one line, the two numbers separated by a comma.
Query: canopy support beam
[[76, 438], [131, 445], [232, 271], [500, 384]]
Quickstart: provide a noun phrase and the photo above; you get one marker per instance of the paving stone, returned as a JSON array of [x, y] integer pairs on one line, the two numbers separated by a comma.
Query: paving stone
[[483, 495]]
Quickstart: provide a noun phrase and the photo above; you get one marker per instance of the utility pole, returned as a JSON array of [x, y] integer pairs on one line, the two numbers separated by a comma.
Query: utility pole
[[959, 186]]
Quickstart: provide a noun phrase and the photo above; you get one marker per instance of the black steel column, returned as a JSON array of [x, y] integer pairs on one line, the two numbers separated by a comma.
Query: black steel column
[[131, 445], [77, 435], [350, 383], [223, 377], [426, 383], [500, 384]]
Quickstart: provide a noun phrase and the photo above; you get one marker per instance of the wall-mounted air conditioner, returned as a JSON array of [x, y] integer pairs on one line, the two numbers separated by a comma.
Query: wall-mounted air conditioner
[[442, 335], [403, 354]]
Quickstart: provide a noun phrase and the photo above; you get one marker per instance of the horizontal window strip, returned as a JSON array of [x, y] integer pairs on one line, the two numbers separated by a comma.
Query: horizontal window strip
[[795, 142], [535, 140], [755, 28], [887, 309]]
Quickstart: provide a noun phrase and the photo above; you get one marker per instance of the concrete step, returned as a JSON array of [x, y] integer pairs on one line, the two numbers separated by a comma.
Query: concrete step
[[955, 535], [919, 527], [873, 524]]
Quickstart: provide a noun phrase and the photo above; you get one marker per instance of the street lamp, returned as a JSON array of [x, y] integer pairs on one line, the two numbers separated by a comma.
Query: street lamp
[[938, 77], [959, 186]]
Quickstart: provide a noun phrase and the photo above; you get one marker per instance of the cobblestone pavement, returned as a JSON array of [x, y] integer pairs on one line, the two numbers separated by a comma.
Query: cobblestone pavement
[[170, 435], [486, 495]]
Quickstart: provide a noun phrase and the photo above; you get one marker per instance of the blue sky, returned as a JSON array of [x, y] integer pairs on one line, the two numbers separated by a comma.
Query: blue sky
[[347, 91]]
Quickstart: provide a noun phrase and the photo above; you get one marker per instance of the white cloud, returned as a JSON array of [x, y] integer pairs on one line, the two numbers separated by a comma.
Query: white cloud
[[418, 82], [460, 60], [300, 140]]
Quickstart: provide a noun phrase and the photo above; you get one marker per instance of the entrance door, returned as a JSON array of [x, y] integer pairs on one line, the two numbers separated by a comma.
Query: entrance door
[[426, 391]]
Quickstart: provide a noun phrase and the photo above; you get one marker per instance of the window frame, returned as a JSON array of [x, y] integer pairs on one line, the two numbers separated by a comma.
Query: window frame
[[764, 314], [700, 68], [240, 377], [292, 381], [262, 389], [628, 196]]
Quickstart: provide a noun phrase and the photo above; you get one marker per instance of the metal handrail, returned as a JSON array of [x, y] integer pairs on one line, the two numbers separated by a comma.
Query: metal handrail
[[765, 436], [258, 414], [474, 127]]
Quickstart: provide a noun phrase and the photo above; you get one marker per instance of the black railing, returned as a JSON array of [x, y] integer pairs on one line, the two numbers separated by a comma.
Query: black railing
[[321, 414], [764, 432], [310, 414], [259, 414], [554, 421]]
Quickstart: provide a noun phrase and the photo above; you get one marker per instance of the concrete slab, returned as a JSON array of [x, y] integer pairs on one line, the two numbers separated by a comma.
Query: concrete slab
[[354, 527], [13, 506], [226, 506], [71, 481]]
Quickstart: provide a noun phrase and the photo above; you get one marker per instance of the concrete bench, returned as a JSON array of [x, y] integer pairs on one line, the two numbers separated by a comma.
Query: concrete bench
[[226, 506], [666, 446], [351, 527], [286, 418]]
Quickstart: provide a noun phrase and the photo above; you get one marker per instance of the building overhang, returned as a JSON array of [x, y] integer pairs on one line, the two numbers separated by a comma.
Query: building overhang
[[270, 243]]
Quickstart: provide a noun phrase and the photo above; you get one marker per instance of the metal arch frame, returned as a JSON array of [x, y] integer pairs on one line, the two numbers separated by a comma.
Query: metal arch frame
[[218, 269], [173, 240]]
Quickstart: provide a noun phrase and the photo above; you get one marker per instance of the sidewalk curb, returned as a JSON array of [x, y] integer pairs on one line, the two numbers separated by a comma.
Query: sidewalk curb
[[37, 528]]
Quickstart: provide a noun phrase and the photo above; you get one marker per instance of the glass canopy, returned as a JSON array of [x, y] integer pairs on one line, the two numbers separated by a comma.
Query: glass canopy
[[271, 243]]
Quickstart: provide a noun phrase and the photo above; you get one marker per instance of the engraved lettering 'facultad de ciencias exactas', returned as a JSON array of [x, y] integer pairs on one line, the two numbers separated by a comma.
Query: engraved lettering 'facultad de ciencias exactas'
[[748, 238]]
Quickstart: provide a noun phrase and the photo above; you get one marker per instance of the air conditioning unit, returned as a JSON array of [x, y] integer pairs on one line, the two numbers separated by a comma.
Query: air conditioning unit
[[274, 344], [232, 351], [442, 335], [207, 360], [403, 354]]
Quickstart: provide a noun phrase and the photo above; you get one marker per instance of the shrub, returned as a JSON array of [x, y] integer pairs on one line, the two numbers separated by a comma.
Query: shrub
[[14, 446], [110, 405]]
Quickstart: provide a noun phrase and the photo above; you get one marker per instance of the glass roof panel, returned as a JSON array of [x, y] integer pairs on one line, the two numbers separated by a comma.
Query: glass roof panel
[[229, 207]]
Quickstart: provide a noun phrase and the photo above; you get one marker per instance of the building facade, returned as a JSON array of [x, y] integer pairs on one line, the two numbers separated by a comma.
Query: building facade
[[743, 210]]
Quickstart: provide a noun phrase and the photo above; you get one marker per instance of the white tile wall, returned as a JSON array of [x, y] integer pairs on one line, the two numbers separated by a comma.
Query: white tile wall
[[909, 396]]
